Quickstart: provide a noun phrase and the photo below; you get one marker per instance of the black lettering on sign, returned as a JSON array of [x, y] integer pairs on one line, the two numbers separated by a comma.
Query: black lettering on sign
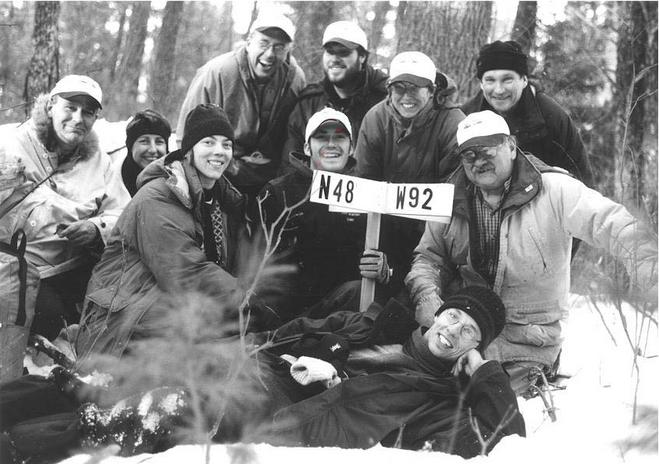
[[337, 190], [400, 197], [324, 187], [427, 192], [414, 197], [350, 187]]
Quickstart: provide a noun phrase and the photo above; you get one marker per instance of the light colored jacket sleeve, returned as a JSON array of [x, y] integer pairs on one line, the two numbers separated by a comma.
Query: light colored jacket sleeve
[[605, 224], [113, 202], [430, 273]]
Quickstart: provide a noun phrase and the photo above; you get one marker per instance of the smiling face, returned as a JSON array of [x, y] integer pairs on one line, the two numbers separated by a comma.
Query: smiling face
[[409, 99], [147, 148], [489, 167], [341, 64], [211, 156], [502, 88], [329, 147], [263, 52], [453, 333], [72, 119]]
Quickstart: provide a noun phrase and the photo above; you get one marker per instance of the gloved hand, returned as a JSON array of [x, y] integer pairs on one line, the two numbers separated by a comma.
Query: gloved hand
[[373, 265]]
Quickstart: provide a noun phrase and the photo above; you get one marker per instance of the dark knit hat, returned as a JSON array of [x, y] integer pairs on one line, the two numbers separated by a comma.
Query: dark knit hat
[[147, 122], [484, 306], [502, 55], [203, 121]]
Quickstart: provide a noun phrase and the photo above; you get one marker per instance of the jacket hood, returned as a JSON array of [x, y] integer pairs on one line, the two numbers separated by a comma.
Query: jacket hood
[[43, 127], [182, 179]]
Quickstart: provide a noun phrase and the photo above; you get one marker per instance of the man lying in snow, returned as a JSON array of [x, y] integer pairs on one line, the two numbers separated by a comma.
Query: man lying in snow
[[434, 390], [417, 394]]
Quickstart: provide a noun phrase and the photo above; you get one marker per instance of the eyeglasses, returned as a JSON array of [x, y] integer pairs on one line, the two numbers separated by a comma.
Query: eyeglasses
[[264, 45], [467, 331], [473, 153], [401, 88]]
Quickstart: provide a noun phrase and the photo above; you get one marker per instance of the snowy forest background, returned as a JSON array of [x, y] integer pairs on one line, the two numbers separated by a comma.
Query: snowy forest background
[[597, 59]]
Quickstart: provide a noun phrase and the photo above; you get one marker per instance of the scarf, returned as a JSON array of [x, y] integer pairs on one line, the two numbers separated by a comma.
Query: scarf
[[417, 348]]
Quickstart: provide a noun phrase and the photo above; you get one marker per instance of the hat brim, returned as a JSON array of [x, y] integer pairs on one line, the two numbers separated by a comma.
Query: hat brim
[[413, 79], [75, 94], [491, 140], [336, 121], [340, 41], [283, 36]]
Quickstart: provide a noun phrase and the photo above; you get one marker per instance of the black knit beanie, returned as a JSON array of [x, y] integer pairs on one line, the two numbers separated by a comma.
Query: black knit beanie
[[147, 122], [203, 121], [484, 306], [502, 55]]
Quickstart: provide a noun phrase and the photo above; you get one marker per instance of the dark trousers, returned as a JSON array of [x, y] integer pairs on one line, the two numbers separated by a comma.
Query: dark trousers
[[58, 300]]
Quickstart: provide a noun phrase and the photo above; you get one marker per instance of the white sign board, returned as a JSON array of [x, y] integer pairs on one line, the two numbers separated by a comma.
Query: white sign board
[[427, 202]]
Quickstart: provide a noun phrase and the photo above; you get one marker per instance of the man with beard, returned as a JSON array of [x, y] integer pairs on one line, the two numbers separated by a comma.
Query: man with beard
[[350, 85], [257, 85]]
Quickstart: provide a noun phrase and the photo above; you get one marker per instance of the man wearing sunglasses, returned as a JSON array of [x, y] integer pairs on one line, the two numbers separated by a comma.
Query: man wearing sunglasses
[[350, 84], [257, 85], [513, 222]]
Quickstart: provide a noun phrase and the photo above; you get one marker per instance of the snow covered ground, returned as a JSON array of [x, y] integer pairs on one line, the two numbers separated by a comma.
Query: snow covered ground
[[594, 412]]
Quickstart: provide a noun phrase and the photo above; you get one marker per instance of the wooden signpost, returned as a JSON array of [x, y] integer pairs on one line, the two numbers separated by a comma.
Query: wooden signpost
[[342, 193]]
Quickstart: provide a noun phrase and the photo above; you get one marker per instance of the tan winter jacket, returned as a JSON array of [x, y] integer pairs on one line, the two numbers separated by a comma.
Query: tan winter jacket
[[543, 210], [86, 187]]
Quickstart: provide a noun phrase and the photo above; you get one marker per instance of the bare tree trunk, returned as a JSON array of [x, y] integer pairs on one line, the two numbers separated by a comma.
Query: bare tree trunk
[[117, 44], [636, 94], [451, 33], [125, 86], [162, 71], [311, 19], [524, 27], [43, 70], [379, 20]]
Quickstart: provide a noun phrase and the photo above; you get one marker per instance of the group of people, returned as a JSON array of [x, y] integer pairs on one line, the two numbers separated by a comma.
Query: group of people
[[478, 302]]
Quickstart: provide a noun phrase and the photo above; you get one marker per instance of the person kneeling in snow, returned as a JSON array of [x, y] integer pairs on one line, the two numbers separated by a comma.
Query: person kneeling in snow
[[434, 391]]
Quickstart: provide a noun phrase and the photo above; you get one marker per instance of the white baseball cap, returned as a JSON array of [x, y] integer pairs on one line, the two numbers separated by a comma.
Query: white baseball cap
[[321, 117], [414, 67], [483, 128], [75, 84], [274, 19], [347, 33]]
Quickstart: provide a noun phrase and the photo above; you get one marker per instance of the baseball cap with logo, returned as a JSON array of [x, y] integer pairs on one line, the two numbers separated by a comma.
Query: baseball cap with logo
[[484, 128], [321, 117], [414, 67], [74, 84], [346, 33], [274, 20]]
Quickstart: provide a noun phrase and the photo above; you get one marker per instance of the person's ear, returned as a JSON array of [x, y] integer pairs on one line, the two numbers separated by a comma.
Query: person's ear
[[525, 79], [307, 149]]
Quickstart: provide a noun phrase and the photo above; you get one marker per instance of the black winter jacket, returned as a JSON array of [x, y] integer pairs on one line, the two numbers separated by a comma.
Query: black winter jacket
[[315, 97], [543, 129]]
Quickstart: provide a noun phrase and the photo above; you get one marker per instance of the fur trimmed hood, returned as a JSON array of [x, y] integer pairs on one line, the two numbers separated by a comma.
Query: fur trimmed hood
[[44, 129]]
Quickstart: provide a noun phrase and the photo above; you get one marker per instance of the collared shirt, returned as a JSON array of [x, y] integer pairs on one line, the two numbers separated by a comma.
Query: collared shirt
[[488, 227]]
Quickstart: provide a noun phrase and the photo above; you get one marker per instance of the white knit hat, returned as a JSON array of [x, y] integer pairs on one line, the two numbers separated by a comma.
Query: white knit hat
[[324, 115], [483, 128]]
